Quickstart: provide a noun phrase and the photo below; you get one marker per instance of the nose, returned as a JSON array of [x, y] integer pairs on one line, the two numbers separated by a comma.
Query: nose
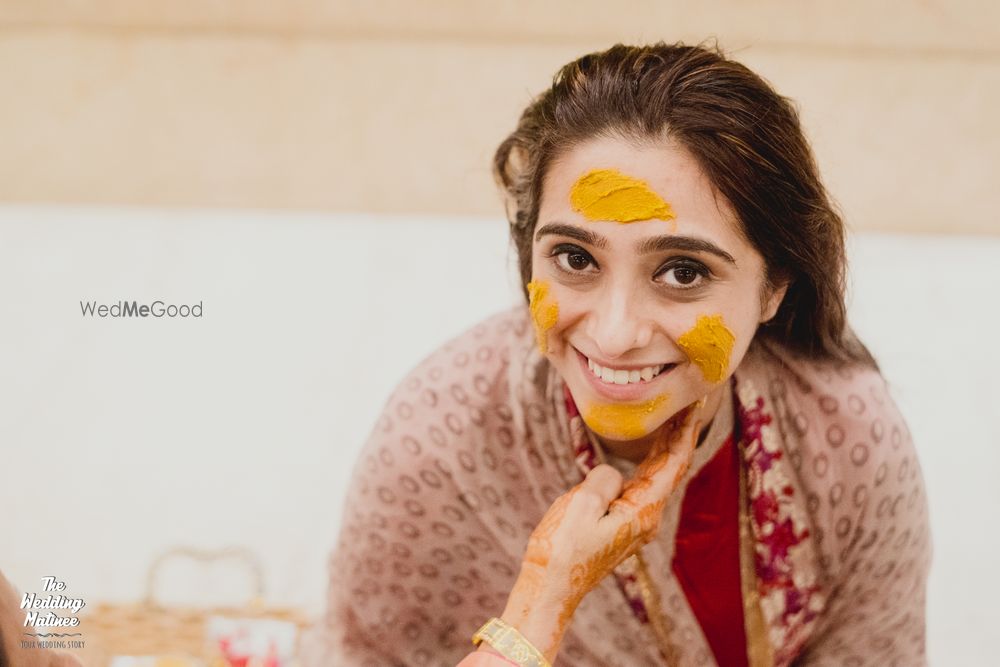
[[619, 322]]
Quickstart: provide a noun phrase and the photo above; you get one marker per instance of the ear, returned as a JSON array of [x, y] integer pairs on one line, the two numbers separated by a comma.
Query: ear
[[775, 294]]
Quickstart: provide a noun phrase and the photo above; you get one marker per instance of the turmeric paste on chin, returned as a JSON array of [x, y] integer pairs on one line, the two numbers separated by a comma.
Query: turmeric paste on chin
[[622, 420]]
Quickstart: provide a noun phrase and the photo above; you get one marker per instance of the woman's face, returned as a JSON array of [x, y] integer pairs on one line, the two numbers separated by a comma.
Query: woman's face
[[645, 295]]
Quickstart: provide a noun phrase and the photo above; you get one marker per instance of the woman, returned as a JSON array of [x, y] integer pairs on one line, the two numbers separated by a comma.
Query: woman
[[706, 461]]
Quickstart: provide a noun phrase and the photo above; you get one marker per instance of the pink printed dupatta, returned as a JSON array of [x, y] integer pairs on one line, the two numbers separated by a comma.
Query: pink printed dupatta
[[476, 443]]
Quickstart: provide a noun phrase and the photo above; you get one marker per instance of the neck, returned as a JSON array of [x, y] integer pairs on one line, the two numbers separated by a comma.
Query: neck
[[636, 450]]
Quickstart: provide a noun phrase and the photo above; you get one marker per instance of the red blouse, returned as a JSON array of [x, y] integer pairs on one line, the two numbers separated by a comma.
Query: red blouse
[[707, 555]]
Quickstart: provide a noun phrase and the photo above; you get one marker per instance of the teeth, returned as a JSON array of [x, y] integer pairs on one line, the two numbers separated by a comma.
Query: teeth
[[612, 376]]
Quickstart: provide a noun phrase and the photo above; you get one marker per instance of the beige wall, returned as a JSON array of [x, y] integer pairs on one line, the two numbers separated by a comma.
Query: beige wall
[[397, 106]]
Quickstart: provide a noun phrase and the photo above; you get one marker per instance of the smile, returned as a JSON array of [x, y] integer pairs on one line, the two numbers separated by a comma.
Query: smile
[[624, 376], [629, 383]]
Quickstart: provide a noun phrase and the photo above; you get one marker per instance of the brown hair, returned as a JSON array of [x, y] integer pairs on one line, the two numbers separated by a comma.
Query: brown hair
[[746, 138]]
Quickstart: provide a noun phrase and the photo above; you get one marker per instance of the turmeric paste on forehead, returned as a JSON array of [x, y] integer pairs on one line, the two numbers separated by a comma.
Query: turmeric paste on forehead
[[608, 194]]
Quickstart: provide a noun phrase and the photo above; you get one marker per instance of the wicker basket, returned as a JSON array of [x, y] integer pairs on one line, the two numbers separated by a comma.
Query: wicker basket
[[149, 628]]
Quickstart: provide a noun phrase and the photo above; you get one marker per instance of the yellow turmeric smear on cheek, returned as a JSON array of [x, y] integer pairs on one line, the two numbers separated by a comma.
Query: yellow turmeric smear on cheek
[[608, 194], [708, 345], [544, 312], [622, 421]]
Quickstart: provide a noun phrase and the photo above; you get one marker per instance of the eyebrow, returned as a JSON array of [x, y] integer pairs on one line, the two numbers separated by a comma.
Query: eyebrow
[[645, 247]]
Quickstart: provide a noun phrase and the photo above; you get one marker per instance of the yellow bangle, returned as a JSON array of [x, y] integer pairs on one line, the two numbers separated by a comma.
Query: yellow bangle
[[509, 643]]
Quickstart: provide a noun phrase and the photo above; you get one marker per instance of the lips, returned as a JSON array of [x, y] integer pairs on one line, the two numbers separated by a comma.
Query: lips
[[623, 384]]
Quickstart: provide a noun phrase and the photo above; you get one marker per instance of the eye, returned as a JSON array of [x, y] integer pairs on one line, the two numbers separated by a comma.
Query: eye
[[573, 259], [685, 274]]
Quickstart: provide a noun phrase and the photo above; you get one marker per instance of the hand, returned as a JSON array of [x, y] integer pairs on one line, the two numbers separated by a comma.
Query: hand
[[591, 529]]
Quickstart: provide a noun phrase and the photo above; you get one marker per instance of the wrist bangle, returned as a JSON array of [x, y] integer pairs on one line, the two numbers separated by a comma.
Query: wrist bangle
[[509, 643]]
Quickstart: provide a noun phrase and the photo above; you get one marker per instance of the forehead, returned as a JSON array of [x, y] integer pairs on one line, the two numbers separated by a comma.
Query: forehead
[[667, 168]]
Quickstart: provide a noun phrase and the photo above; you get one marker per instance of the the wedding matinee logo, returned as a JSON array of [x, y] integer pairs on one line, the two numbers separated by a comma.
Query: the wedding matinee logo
[[39, 615], [136, 309]]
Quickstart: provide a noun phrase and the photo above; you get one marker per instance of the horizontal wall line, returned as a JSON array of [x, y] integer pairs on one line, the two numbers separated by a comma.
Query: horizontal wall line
[[733, 44]]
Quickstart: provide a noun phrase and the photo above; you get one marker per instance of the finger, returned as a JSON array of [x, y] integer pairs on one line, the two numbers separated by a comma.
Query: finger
[[604, 483], [665, 470], [676, 426], [660, 472]]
